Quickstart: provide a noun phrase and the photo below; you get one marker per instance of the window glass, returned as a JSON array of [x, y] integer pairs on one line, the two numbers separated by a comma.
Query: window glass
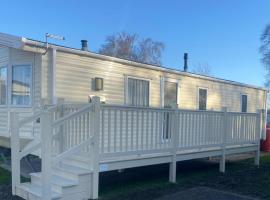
[[202, 99], [244, 103], [138, 92], [21, 85], [170, 94], [3, 86]]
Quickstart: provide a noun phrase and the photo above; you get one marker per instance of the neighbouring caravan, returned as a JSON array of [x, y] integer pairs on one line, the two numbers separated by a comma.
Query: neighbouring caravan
[[134, 109]]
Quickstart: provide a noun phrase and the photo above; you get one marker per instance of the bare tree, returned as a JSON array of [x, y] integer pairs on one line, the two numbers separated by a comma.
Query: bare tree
[[202, 68], [129, 46], [265, 51]]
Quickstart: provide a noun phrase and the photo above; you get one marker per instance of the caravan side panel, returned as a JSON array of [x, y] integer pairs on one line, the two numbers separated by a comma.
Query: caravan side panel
[[4, 61], [75, 74]]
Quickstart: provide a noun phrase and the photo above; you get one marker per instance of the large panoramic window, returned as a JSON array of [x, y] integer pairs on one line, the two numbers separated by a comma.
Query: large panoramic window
[[138, 92], [3, 85], [244, 103], [202, 99], [21, 85]]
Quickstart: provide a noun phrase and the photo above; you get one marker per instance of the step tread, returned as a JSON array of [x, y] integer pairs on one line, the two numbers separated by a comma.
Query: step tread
[[36, 190], [58, 180], [76, 163], [73, 169], [80, 157]]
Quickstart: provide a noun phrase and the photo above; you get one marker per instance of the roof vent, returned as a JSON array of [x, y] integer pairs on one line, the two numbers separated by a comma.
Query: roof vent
[[84, 45], [185, 62]]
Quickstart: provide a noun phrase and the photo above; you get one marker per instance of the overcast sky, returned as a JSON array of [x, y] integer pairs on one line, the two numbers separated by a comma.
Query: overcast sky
[[223, 33]]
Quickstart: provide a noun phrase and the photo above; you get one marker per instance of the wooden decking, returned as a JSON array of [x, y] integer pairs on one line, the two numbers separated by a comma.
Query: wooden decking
[[99, 137]]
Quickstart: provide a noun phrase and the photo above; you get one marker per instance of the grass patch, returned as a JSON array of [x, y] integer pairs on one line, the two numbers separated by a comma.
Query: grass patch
[[150, 182], [5, 176]]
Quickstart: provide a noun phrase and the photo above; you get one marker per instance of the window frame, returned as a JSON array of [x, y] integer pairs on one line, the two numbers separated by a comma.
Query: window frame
[[241, 104], [7, 103], [31, 85], [198, 97], [126, 77]]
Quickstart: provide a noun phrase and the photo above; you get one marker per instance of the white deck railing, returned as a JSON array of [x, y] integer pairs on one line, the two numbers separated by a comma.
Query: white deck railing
[[130, 130], [111, 130]]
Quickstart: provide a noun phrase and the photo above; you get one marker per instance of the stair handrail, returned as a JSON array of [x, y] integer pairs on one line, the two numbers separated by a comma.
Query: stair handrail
[[37, 115], [30, 119], [16, 153], [81, 111], [90, 141], [71, 151], [48, 123], [93, 141]]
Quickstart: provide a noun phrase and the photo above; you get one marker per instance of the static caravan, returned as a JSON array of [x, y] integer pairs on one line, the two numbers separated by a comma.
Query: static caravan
[[84, 113]]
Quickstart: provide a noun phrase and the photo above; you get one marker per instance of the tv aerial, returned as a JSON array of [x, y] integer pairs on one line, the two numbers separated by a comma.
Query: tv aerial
[[51, 36]]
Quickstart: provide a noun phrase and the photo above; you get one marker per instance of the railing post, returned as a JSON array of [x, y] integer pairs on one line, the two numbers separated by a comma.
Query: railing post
[[46, 154], [175, 142], [257, 136], [95, 126], [62, 139], [15, 148], [222, 162]]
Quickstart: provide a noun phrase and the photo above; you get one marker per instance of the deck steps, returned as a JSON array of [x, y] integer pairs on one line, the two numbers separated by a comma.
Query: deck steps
[[58, 183], [31, 191], [73, 161], [70, 181]]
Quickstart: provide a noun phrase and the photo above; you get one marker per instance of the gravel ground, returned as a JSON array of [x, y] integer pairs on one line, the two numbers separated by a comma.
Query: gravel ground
[[204, 193], [5, 193]]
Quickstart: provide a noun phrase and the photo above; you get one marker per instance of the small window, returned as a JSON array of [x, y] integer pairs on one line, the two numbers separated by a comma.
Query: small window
[[244, 103], [3, 85], [138, 92], [202, 99], [21, 85]]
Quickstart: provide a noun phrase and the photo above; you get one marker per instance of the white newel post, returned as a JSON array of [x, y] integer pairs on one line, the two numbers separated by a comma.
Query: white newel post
[[62, 139], [258, 136], [46, 154], [15, 148], [175, 143], [222, 162], [95, 126]]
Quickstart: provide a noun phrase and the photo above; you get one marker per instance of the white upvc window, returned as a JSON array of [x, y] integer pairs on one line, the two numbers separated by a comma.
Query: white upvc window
[[137, 91], [21, 88], [169, 92], [202, 98], [3, 86], [244, 103]]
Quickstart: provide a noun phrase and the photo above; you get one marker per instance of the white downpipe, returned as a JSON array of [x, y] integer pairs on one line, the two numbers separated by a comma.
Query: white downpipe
[[162, 91]]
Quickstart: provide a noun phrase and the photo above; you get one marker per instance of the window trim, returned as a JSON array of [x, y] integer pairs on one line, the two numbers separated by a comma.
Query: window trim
[[6, 104], [126, 77], [198, 97], [31, 86], [162, 89], [241, 102]]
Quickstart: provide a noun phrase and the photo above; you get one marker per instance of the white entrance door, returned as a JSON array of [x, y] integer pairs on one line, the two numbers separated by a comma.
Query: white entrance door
[[170, 101], [170, 94]]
